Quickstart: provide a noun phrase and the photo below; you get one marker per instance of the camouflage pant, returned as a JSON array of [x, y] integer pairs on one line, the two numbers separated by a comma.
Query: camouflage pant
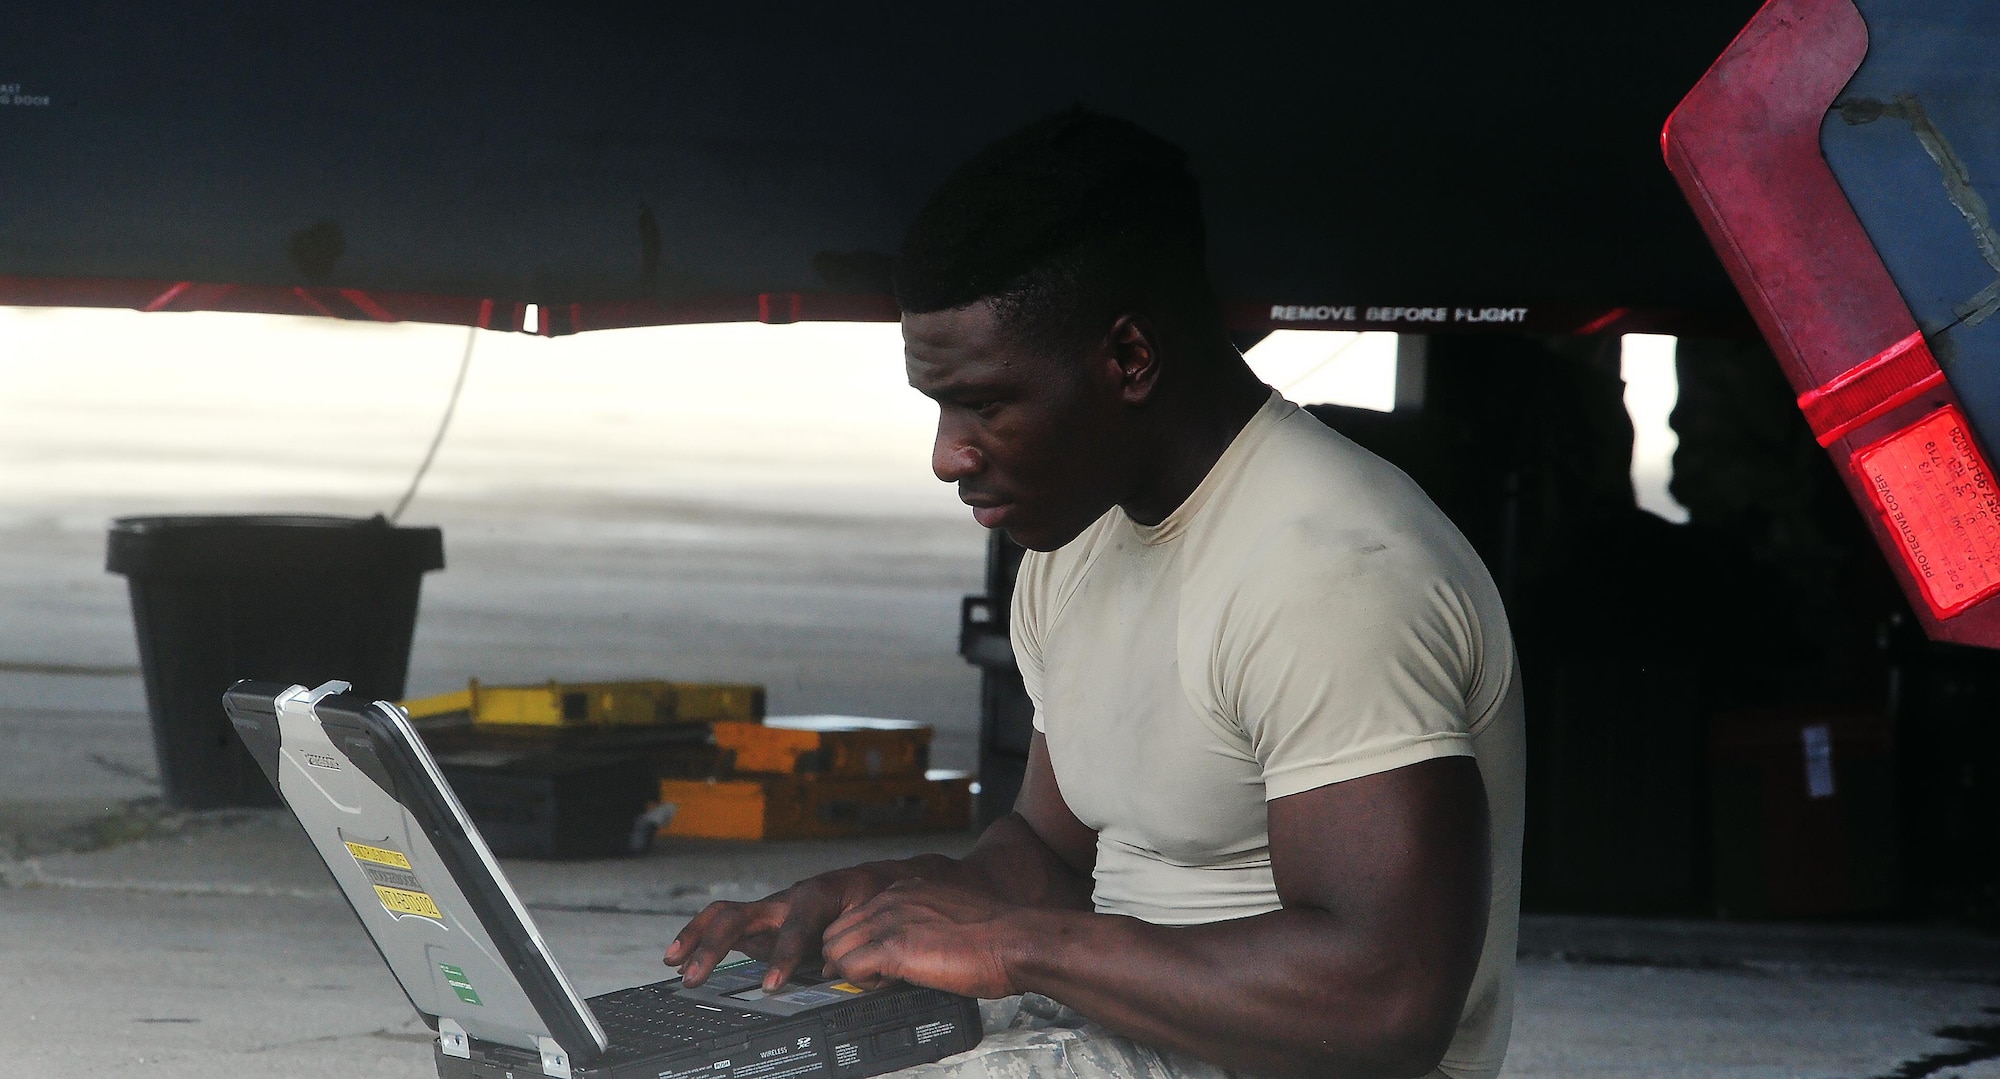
[[1033, 1037]]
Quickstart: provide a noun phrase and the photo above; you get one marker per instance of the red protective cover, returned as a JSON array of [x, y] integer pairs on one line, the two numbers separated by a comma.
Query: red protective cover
[[1744, 145]]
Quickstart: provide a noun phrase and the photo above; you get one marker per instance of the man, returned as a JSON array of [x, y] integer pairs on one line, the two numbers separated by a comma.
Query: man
[[1272, 815]]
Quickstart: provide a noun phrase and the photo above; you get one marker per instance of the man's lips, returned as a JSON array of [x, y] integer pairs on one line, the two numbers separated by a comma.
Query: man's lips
[[989, 512]]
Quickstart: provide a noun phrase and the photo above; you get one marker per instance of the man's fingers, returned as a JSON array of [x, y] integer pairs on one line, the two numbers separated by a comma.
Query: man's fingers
[[705, 957], [720, 939], [865, 963], [813, 906], [859, 913], [866, 926], [728, 924], [797, 938], [784, 929], [756, 945], [869, 923], [697, 927], [717, 917]]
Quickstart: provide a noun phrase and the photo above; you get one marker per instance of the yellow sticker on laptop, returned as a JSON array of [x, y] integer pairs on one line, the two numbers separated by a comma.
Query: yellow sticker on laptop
[[378, 855], [395, 881]]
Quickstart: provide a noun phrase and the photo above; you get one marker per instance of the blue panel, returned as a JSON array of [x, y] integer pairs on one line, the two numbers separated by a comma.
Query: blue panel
[[1929, 89]]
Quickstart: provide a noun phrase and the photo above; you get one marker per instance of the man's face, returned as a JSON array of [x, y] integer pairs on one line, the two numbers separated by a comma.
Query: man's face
[[1030, 439]]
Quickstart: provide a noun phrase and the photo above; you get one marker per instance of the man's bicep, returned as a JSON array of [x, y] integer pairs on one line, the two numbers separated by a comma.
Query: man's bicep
[[1400, 858], [1333, 676], [1041, 804]]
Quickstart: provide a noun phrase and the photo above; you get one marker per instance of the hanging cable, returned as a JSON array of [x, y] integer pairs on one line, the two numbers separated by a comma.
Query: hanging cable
[[464, 365]]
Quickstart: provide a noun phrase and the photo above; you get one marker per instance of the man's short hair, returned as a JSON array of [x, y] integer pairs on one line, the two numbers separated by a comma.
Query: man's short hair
[[1060, 225]]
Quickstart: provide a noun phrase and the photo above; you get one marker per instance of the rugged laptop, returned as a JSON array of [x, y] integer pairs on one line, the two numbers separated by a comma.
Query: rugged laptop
[[460, 942]]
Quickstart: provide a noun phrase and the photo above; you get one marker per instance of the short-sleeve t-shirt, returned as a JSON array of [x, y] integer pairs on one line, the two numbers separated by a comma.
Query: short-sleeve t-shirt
[[1306, 616]]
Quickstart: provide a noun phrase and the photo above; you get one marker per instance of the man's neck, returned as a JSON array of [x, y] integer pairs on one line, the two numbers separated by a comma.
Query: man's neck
[[1192, 436]]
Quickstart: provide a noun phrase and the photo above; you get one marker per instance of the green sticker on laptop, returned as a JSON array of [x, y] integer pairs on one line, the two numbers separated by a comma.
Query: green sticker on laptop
[[455, 978]]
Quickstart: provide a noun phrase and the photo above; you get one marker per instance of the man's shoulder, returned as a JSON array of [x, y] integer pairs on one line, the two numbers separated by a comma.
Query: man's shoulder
[[1310, 492], [1318, 535]]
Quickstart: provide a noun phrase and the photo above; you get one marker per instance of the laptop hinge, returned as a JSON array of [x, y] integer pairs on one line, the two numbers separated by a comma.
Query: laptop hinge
[[452, 1041], [555, 1062]]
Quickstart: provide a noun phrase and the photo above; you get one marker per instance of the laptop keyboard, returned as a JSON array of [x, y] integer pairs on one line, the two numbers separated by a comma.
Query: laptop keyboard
[[650, 1018]]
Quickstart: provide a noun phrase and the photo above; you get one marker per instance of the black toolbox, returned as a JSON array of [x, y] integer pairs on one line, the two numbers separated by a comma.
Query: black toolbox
[[535, 802]]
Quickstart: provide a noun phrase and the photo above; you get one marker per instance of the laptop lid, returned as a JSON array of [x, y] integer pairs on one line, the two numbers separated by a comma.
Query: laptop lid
[[413, 867]]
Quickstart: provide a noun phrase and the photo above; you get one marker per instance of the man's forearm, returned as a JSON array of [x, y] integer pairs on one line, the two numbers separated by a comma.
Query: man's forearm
[[1281, 993], [1021, 869], [1011, 863]]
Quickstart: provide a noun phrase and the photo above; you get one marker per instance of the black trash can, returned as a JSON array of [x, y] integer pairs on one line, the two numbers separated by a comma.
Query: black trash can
[[297, 599]]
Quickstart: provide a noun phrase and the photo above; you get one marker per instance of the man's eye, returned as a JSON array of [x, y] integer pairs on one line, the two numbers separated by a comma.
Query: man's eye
[[978, 405]]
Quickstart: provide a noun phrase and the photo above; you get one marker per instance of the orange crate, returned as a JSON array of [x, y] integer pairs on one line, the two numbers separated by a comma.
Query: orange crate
[[830, 746], [800, 807]]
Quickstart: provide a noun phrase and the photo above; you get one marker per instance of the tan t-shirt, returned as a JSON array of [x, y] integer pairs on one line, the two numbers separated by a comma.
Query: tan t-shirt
[[1307, 616]]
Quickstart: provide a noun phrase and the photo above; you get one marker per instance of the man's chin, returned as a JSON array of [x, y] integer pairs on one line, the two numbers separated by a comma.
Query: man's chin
[[1035, 531], [1039, 537]]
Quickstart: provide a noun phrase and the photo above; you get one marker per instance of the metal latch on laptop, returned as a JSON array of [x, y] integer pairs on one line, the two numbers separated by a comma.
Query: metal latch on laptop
[[299, 696], [452, 1041], [555, 1062]]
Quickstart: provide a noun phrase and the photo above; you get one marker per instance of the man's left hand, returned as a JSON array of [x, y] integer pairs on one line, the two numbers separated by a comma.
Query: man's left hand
[[929, 934]]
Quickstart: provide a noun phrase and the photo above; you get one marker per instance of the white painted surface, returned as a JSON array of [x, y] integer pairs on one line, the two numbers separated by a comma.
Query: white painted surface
[[1332, 367], [1651, 389], [96, 403]]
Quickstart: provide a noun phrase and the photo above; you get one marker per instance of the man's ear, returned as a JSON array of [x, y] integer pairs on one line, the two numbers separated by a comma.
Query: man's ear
[[1132, 347]]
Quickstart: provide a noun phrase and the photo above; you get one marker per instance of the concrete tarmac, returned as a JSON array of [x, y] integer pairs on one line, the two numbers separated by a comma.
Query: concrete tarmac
[[215, 945], [135, 940]]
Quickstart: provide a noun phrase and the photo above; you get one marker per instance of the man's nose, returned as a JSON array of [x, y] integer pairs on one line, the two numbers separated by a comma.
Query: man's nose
[[954, 459]]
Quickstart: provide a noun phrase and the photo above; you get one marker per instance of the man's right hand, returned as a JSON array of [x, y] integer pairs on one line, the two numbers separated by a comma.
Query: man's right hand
[[783, 929], [1040, 855]]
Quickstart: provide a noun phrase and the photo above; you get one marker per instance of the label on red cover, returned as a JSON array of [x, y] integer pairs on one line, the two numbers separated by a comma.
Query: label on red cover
[[1935, 491]]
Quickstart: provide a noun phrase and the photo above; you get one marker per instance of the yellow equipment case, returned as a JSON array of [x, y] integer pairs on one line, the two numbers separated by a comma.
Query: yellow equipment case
[[569, 705], [567, 769], [813, 807]]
